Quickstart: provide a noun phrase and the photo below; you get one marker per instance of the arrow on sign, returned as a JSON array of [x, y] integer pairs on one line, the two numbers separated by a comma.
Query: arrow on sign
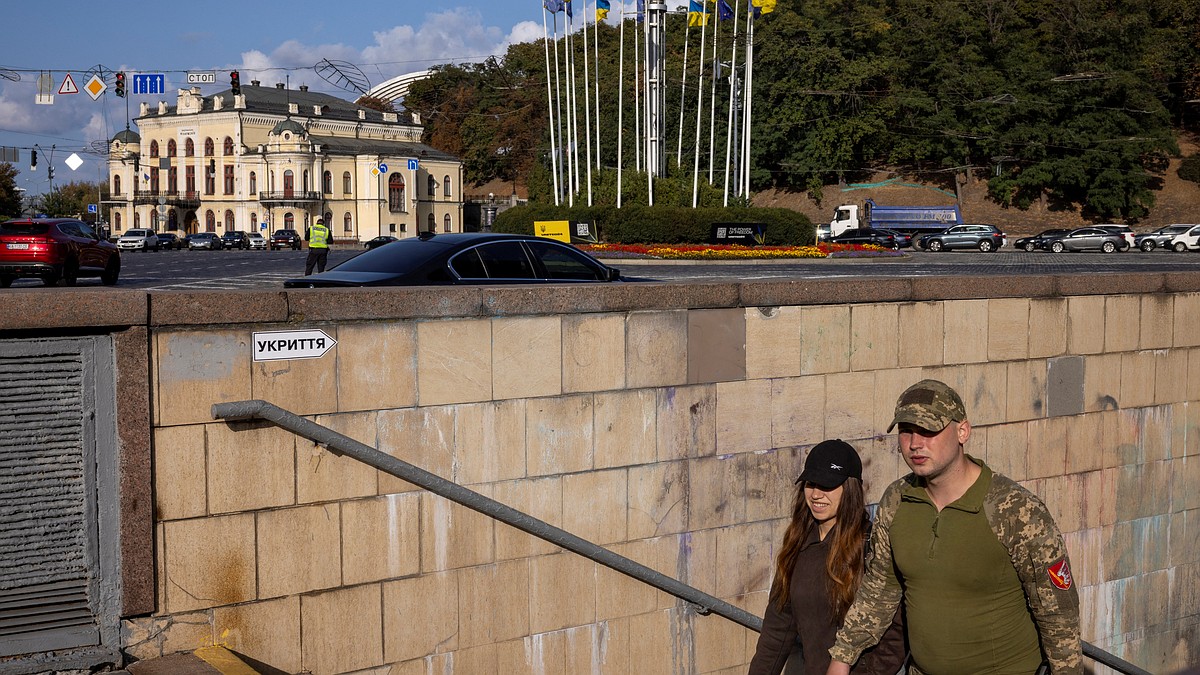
[[280, 345]]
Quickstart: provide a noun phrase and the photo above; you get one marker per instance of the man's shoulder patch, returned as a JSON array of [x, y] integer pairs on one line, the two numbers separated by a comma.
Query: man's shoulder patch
[[1060, 574]]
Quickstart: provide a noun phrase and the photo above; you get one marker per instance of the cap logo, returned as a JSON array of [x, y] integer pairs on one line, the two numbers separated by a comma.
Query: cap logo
[[918, 397], [1060, 574], [835, 467]]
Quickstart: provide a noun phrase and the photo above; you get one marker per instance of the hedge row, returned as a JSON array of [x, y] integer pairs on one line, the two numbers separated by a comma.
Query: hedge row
[[660, 224]]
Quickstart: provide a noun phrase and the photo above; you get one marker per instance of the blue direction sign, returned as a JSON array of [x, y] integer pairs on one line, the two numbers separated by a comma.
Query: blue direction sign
[[382, 167], [149, 83], [412, 165], [91, 208]]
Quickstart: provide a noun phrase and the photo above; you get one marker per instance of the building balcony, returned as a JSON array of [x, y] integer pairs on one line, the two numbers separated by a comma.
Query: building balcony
[[289, 198], [184, 200]]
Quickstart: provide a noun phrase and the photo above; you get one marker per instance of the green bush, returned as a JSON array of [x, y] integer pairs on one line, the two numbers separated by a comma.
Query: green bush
[[1189, 169], [660, 224]]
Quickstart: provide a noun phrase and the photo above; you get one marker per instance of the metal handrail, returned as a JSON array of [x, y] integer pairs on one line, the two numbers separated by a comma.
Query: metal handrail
[[344, 445], [704, 603]]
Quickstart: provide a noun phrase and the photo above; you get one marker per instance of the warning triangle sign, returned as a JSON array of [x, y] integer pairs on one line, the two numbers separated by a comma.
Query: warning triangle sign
[[68, 86]]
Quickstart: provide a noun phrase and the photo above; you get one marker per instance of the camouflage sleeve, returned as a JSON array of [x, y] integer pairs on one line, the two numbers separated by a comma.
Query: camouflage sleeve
[[1039, 555], [879, 595]]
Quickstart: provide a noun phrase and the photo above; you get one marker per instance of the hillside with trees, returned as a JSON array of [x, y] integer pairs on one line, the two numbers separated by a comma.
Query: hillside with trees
[[1074, 105]]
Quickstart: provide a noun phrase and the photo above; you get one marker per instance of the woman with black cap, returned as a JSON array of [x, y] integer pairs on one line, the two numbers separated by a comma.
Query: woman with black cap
[[818, 570]]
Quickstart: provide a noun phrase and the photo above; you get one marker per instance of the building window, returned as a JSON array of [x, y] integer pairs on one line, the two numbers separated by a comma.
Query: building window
[[189, 148], [432, 186], [210, 180], [253, 222], [210, 221], [154, 181], [446, 187], [154, 219], [117, 220], [171, 148], [253, 183], [289, 221], [227, 148], [396, 193], [189, 180], [327, 183], [403, 228], [173, 180], [289, 183], [228, 180], [432, 224], [347, 223], [154, 148], [446, 223], [208, 147], [172, 220], [229, 221], [116, 185], [307, 185], [347, 184], [137, 220]]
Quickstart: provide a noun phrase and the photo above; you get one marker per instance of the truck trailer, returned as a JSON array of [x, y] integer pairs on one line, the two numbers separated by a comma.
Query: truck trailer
[[912, 220]]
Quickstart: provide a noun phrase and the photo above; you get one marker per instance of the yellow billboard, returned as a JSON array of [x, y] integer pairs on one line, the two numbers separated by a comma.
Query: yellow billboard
[[553, 229]]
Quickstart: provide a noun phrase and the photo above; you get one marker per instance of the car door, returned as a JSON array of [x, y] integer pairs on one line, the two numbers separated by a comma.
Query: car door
[[556, 262], [90, 253]]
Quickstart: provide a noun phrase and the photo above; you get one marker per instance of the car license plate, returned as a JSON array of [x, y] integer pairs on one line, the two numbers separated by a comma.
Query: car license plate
[[18, 247]]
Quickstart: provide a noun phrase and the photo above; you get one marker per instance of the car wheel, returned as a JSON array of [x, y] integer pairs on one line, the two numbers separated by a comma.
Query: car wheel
[[111, 271], [70, 273], [1057, 247], [1180, 247], [1029, 246], [1108, 247], [935, 245], [986, 246], [6, 281], [1148, 245], [51, 278], [1124, 247]]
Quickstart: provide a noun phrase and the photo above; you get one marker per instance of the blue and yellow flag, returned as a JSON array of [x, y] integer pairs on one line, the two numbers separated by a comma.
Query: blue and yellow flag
[[724, 11], [697, 13], [602, 7], [762, 6]]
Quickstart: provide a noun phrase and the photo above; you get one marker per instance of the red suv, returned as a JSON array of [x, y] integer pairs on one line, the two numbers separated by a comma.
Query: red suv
[[53, 249]]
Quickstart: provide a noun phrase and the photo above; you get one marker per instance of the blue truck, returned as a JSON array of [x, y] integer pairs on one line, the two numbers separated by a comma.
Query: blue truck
[[914, 220]]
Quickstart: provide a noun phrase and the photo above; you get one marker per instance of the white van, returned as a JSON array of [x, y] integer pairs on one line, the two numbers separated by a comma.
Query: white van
[[1188, 241]]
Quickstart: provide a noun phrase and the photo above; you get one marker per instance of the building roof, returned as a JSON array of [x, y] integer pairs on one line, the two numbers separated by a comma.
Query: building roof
[[275, 100], [370, 146], [289, 125], [128, 137]]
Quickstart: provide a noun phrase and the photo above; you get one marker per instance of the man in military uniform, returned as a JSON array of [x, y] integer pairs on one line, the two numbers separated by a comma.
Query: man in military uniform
[[318, 247], [977, 559]]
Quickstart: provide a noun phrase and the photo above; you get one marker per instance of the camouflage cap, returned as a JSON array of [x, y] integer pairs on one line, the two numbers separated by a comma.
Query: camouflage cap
[[929, 404]]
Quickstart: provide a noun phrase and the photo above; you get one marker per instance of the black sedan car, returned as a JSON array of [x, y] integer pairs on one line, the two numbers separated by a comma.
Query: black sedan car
[[379, 241], [1087, 239], [1038, 241], [235, 239], [868, 235], [464, 258]]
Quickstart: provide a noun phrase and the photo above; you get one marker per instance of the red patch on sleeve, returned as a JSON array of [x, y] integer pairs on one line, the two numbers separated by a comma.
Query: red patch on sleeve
[[1060, 574]]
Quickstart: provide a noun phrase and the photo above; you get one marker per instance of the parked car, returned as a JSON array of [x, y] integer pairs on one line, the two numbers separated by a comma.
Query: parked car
[[1088, 239], [379, 241], [903, 239], [1188, 240], [1038, 241], [1127, 236], [205, 240], [257, 241], [170, 240], [867, 235], [235, 239], [138, 240], [1160, 238], [464, 258], [285, 239], [55, 248], [986, 238]]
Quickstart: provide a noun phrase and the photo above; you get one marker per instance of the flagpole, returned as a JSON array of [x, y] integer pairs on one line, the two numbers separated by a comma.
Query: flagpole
[[621, 104], [596, 49], [573, 108], [699, 105], [587, 105], [637, 100], [646, 102], [712, 101], [549, 107], [747, 104], [683, 91], [562, 158], [732, 90]]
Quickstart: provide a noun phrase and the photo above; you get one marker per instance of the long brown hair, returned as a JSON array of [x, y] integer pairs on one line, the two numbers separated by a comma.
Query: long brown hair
[[845, 562]]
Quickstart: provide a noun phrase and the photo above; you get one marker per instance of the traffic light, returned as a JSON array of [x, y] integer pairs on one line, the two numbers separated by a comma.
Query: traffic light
[[120, 85], [33, 160], [235, 82]]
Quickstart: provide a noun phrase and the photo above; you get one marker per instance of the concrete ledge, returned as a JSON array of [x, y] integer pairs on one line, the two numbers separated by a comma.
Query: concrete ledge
[[190, 308], [73, 308], [203, 661]]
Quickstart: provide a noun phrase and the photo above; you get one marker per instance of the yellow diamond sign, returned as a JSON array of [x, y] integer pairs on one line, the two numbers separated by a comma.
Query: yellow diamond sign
[[95, 87]]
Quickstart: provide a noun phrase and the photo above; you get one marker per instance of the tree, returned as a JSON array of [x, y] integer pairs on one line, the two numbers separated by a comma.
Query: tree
[[375, 103], [71, 200], [10, 196]]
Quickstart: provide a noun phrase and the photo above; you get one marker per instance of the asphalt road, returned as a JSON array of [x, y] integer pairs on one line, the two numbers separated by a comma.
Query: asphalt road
[[230, 270]]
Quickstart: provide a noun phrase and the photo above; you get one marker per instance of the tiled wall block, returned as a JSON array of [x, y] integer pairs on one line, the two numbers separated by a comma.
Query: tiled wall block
[[672, 437]]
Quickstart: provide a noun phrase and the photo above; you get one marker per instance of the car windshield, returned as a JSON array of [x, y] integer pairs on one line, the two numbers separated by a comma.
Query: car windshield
[[23, 228]]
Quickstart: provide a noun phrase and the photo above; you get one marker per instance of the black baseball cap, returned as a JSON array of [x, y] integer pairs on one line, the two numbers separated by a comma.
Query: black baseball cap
[[830, 463]]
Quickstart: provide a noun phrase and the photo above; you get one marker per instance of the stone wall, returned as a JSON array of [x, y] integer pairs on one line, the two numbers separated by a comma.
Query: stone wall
[[665, 422]]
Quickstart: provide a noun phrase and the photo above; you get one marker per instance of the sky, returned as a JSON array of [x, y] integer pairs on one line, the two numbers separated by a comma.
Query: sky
[[269, 42]]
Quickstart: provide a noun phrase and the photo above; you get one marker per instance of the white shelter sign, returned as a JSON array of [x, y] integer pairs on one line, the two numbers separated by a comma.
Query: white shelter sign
[[280, 345]]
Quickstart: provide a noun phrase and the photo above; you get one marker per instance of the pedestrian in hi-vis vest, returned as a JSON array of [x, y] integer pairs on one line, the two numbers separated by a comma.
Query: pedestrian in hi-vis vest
[[318, 247]]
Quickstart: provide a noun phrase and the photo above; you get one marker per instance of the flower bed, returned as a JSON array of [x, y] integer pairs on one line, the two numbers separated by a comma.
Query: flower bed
[[734, 252]]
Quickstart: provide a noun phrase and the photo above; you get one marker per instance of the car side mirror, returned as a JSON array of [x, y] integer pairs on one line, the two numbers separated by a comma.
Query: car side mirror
[[614, 274]]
